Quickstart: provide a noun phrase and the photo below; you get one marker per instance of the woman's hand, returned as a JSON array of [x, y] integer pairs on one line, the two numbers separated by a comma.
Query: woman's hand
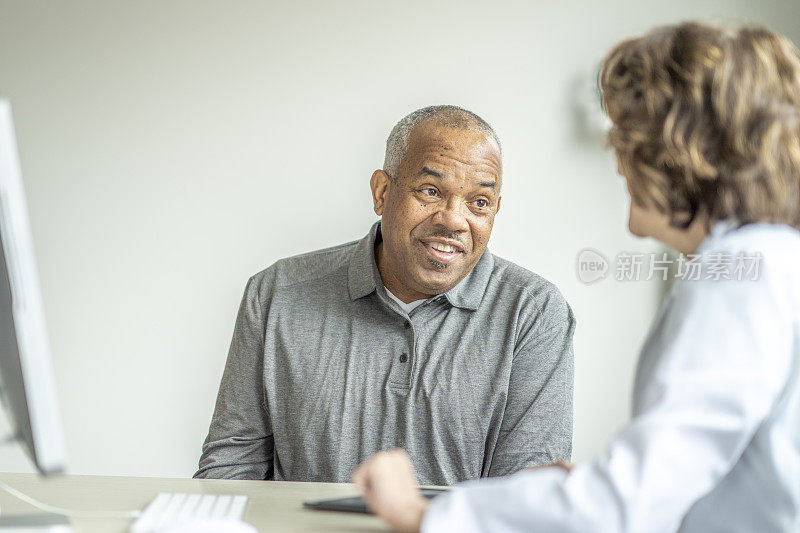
[[388, 484], [561, 464]]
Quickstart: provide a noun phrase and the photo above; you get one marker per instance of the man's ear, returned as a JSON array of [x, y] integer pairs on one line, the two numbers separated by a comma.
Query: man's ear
[[379, 184], [498, 205]]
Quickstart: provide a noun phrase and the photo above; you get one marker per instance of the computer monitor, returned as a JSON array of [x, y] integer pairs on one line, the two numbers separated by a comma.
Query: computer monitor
[[27, 382]]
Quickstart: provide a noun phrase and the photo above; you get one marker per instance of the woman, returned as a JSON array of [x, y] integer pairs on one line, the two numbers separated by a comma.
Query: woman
[[706, 127]]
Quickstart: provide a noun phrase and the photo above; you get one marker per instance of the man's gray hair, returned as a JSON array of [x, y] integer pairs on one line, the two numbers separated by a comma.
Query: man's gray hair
[[441, 115]]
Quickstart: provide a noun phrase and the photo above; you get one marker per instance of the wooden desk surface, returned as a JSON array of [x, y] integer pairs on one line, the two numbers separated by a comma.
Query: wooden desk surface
[[273, 505]]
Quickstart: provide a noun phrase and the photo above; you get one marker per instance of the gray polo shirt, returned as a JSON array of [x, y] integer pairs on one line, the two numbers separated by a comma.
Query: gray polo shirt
[[324, 370]]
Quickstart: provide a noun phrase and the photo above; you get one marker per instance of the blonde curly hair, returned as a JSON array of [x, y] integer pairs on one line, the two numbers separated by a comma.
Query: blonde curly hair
[[707, 120]]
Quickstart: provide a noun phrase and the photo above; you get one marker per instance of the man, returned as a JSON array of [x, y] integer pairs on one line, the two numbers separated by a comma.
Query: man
[[415, 336]]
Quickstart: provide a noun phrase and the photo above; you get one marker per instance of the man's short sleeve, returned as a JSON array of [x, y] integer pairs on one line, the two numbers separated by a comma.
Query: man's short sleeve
[[240, 443], [537, 421]]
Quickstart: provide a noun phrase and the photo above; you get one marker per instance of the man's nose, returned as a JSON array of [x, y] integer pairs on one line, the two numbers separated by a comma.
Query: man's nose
[[451, 215]]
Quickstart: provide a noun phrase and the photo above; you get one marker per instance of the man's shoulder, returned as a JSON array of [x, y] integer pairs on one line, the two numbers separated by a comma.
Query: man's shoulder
[[510, 275], [539, 297], [306, 267], [540, 304]]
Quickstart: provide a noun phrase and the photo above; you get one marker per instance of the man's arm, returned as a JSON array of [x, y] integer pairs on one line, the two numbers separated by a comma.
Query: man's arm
[[240, 443], [537, 421]]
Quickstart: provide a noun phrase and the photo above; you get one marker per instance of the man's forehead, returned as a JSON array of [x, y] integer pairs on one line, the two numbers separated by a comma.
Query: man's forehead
[[449, 136], [467, 145]]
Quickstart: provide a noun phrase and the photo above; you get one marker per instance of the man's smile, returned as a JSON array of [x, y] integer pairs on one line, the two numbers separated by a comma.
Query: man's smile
[[442, 250]]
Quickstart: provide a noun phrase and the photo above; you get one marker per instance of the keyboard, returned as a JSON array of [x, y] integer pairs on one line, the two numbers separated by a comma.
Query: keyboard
[[170, 510]]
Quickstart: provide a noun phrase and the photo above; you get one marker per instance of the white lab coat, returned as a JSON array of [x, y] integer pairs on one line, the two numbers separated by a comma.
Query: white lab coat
[[714, 439]]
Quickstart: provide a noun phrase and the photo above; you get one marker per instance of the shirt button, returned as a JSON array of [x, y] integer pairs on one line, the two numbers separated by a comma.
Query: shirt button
[[407, 324], [403, 357]]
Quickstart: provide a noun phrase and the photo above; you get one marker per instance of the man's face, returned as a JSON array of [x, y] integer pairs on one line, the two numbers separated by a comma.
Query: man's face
[[438, 212]]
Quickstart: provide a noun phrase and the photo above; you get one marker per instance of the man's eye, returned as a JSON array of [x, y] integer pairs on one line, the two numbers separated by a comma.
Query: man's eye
[[480, 202], [429, 191]]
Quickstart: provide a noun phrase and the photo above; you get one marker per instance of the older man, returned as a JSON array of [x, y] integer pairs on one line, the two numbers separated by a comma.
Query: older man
[[415, 336]]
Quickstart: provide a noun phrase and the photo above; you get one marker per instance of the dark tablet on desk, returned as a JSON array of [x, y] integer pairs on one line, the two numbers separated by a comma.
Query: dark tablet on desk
[[355, 504]]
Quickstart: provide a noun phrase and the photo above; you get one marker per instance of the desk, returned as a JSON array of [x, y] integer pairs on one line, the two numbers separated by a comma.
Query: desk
[[273, 505]]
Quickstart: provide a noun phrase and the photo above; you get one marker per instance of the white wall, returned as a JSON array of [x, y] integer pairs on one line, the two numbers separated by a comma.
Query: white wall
[[172, 149]]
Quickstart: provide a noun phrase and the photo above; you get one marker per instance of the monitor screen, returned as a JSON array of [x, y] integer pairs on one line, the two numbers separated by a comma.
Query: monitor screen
[[27, 382]]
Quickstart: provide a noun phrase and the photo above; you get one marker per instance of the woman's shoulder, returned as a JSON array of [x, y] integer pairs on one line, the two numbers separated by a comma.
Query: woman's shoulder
[[761, 252], [775, 242]]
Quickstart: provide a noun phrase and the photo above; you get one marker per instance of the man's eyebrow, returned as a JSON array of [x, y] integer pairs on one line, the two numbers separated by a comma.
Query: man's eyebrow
[[429, 172]]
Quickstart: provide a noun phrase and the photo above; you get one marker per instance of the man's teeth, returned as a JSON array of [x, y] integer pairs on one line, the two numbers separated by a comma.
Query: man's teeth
[[442, 247]]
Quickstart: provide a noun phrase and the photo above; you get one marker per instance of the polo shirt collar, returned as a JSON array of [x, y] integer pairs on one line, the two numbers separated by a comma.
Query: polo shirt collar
[[363, 271], [468, 293], [364, 278]]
